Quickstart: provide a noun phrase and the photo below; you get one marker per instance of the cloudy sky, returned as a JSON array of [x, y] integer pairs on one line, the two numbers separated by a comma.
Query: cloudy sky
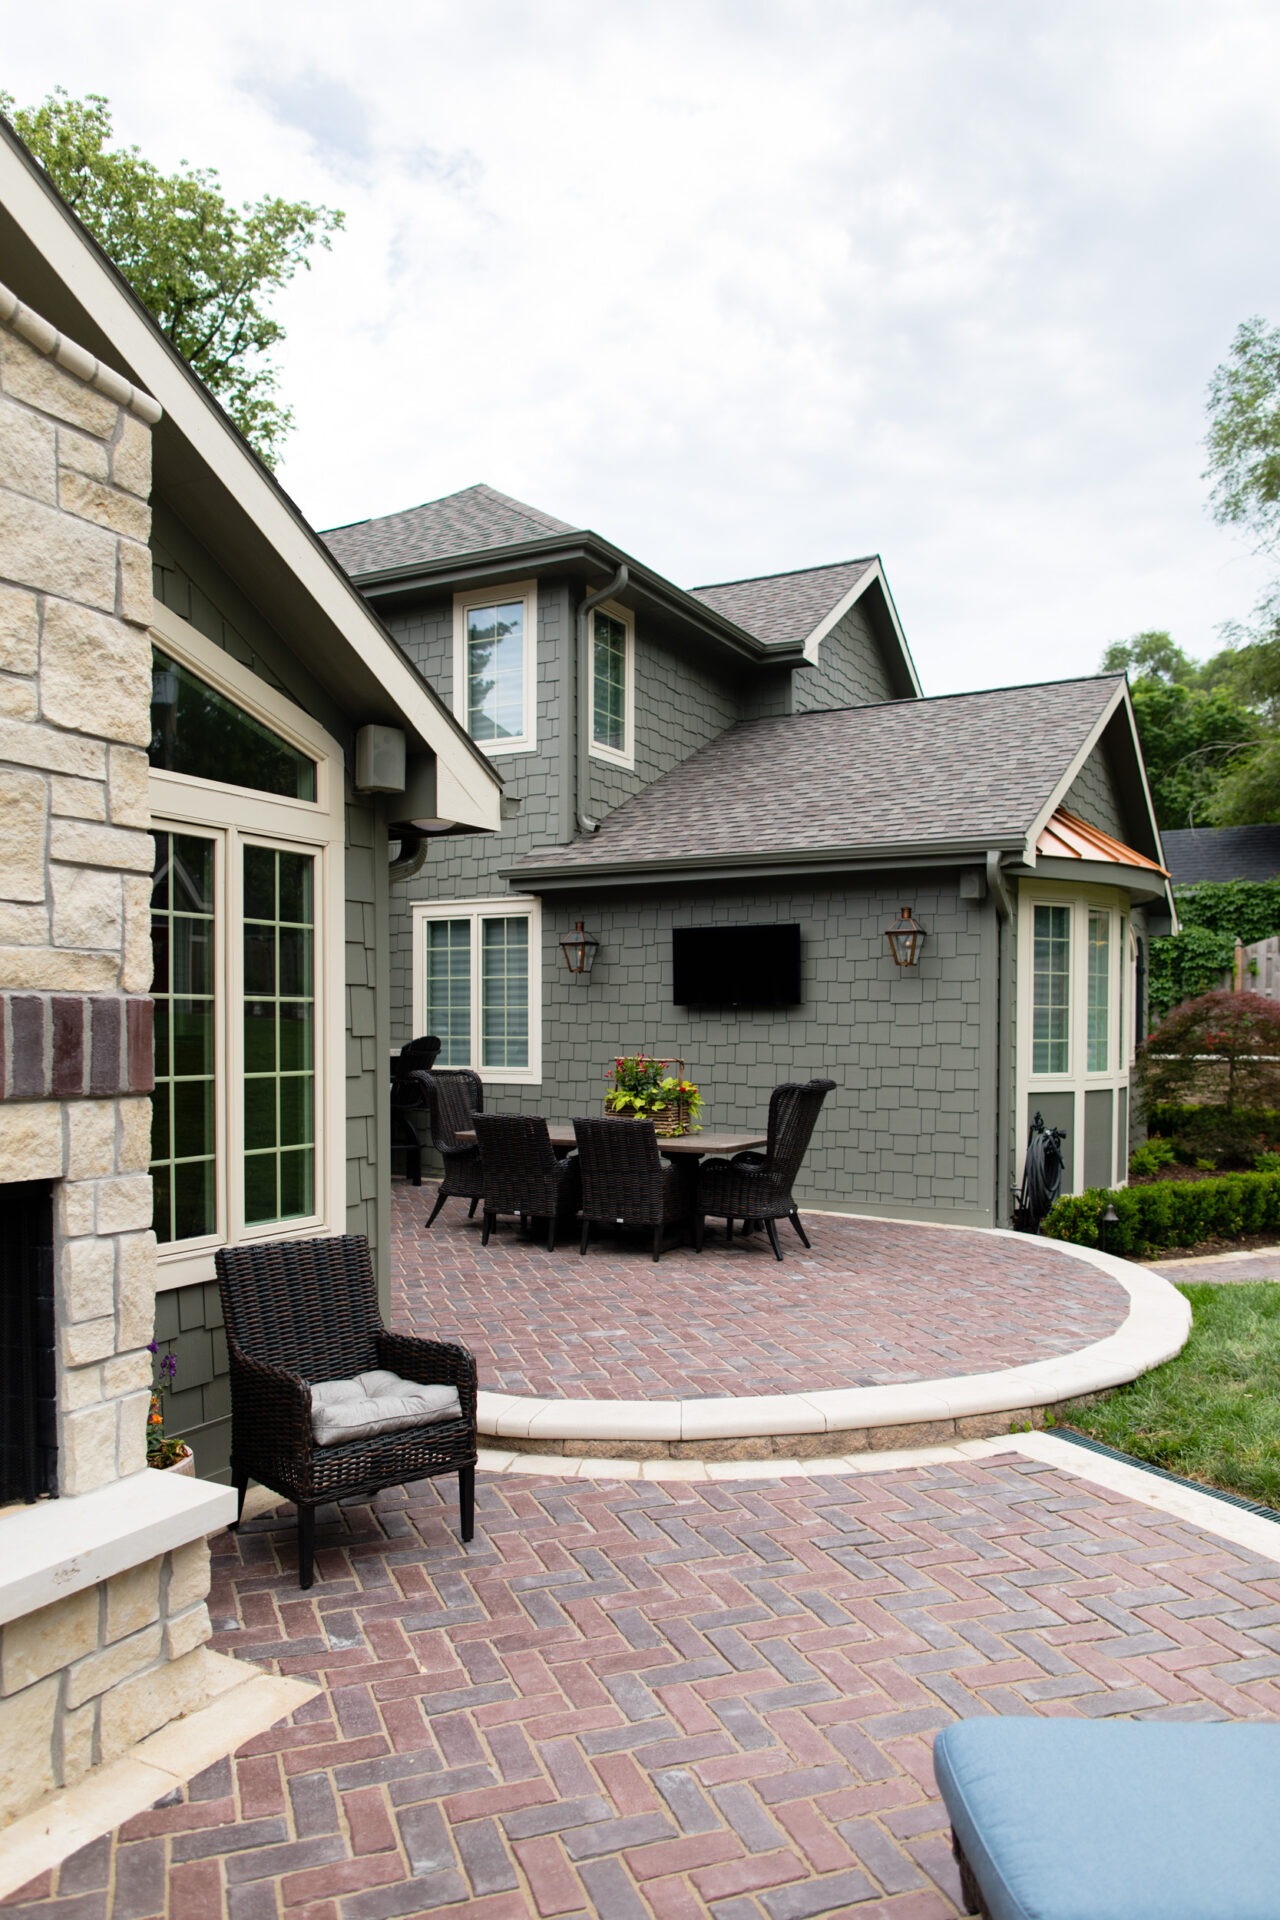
[[749, 285]]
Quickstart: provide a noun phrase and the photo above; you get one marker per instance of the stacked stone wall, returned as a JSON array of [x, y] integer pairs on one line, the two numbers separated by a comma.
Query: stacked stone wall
[[89, 1673]]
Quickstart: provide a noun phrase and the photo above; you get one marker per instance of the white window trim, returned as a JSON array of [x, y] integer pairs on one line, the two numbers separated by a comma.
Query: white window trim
[[182, 803], [508, 906], [1078, 1079], [611, 755], [526, 590]]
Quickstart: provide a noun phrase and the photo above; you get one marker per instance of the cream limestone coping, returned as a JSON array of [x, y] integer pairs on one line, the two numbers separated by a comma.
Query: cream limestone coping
[[57, 1547], [1155, 1328], [240, 1701], [46, 339]]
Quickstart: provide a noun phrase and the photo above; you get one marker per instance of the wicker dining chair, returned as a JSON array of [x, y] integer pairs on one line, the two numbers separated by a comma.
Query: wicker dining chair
[[453, 1096], [625, 1181], [521, 1173], [755, 1186], [302, 1312]]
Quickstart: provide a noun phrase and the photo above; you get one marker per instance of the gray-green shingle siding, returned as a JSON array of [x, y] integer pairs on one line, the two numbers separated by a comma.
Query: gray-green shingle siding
[[1092, 795], [850, 670]]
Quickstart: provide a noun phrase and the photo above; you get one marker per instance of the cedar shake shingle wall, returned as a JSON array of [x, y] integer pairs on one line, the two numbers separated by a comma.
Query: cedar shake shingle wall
[[1092, 795], [680, 705], [850, 670], [902, 1132]]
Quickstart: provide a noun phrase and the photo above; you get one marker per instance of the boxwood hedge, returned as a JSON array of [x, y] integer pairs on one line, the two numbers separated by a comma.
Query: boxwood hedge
[[1169, 1213]]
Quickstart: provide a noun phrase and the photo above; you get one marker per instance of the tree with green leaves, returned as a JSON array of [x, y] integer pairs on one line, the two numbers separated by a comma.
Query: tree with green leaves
[[204, 268], [1193, 734]]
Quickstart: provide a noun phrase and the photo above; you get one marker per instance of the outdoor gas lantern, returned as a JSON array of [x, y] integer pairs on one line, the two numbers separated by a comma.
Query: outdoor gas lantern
[[579, 950], [906, 937]]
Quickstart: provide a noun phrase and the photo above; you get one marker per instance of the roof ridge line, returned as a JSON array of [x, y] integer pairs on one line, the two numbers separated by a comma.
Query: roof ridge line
[[916, 701], [787, 573]]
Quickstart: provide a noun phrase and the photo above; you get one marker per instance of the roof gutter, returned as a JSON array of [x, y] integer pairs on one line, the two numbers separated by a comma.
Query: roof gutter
[[582, 788]]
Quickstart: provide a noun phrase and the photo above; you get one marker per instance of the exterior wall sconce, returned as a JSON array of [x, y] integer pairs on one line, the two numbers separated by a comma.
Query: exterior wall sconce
[[579, 950], [906, 937]]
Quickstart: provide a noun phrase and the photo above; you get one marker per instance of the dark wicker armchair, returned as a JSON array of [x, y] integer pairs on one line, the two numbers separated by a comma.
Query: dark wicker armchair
[[755, 1186], [626, 1183], [453, 1097], [521, 1173], [299, 1312]]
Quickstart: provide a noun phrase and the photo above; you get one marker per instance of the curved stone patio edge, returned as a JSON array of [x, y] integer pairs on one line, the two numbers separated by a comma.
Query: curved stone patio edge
[[1155, 1328]]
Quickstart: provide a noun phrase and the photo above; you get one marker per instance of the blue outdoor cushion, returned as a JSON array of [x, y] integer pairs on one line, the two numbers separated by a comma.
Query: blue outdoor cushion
[[1116, 1819]]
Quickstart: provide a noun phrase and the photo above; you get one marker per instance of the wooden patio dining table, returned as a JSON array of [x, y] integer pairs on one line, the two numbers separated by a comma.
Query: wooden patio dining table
[[684, 1146]]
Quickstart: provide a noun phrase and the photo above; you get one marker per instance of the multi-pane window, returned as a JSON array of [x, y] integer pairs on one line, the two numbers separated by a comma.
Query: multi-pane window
[[1099, 996], [504, 992], [184, 933], [279, 1034], [609, 684], [247, 938], [496, 671], [478, 985], [448, 974], [1051, 991]]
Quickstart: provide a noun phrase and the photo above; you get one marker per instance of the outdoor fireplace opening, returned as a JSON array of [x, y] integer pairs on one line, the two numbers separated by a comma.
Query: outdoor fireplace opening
[[28, 1374]]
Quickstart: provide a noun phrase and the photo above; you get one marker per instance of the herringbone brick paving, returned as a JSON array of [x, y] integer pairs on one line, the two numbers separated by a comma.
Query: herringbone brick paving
[[876, 1302], [649, 1700]]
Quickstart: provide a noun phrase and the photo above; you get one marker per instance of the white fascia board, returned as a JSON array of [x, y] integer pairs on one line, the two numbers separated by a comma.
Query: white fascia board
[[468, 789], [1068, 779], [874, 575]]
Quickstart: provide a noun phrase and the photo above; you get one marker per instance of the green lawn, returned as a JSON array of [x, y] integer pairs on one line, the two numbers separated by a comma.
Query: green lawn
[[1212, 1414]]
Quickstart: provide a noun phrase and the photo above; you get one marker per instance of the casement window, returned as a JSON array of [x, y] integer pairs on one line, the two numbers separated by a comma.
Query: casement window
[[1077, 965], [613, 685], [477, 968], [495, 666], [248, 1113]]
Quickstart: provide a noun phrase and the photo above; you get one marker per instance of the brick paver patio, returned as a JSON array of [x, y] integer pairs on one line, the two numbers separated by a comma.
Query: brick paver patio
[[875, 1303], [650, 1700]]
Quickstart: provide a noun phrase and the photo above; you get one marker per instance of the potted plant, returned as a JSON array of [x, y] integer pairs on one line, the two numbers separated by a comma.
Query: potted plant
[[168, 1455], [642, 1088]]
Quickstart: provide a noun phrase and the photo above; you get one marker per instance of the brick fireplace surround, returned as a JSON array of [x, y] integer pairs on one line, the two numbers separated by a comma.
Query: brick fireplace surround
[[103, 1614]]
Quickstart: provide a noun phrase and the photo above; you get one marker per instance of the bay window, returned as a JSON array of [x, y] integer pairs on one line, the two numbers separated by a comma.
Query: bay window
[[1075, 1025], [477, 984]]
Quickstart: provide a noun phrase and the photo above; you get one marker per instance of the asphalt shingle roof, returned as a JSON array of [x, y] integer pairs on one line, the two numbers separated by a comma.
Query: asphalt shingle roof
[[1221, 853], [783, 607], [963, 768], [468, 522]]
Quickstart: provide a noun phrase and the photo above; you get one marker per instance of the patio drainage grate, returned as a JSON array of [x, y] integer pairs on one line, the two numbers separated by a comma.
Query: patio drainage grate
[[1162, 1473]]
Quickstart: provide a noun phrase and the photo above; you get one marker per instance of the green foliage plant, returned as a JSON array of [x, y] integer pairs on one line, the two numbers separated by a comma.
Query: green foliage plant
[[1229, 1136], [1152, 1156], [1213, 915], [1236, 1031], [1168, 1213], [1267, 1161], [640, 1087], [204, 269]]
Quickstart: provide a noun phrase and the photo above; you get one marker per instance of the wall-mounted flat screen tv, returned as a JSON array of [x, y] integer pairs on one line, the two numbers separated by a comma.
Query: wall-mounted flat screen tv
[[736, 966]]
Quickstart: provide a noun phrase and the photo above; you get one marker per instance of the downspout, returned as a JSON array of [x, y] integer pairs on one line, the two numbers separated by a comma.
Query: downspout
[[1004, 914], [585, 823], [412, 855]]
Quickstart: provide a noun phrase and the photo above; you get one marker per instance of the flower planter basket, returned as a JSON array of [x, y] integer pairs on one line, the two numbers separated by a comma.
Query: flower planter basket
[[677, 1113]]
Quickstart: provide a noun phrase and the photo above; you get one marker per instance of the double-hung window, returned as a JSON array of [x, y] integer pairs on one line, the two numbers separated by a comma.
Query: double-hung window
[[247, 942], [494, 666], [613, 685], [477, 984]]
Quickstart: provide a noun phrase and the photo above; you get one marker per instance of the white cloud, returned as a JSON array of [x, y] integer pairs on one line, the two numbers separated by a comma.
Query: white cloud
[[751, 286]]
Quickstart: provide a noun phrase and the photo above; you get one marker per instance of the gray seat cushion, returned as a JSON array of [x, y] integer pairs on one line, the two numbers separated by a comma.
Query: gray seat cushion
[[1116, 1819], [377, 1402]]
